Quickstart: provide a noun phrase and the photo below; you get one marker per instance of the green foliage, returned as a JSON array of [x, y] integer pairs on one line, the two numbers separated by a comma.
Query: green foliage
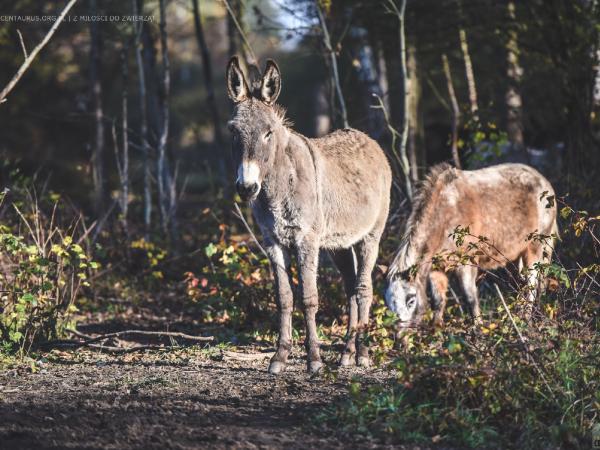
[[483, 386], [234, 286], [480, 388], [41, 274]]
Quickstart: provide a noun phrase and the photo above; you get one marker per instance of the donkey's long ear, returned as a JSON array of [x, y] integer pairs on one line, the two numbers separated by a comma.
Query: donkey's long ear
[[237, 88], [271, 83]]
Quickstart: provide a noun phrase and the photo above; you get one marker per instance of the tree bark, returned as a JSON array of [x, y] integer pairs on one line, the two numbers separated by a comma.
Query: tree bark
[[165, 179], [368, 79], [125, 145], [96, 87], [210, 94], [464, 47], [455, 111], [400, 14], [334, 67], [514, 113], [137, 9], [416, 131]]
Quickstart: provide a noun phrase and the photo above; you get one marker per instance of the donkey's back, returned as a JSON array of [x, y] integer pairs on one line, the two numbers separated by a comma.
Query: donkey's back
[[355, 181]]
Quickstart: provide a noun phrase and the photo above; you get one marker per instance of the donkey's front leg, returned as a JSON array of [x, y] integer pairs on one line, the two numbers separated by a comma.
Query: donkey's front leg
[[308, 261], [280, 261]]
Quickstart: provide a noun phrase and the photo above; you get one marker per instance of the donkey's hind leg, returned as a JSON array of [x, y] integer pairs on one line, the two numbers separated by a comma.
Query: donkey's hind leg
[[345, 261], [366, 255]]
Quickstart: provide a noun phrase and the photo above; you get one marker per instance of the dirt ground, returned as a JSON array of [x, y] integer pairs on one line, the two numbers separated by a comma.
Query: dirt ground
[[196, 399]]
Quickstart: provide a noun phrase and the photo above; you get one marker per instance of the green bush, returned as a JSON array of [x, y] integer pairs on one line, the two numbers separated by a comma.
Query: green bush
[[509, 383], [42, 271]]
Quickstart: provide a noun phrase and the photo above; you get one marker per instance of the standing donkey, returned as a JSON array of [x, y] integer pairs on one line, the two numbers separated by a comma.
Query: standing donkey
[[306, 194]]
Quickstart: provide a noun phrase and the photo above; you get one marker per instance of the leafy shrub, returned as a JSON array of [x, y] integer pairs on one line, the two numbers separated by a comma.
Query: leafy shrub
[[234, 286], [507, 383], [42, 271]]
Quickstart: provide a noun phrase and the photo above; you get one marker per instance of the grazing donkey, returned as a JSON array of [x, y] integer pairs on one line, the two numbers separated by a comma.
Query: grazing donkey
[[306, 194], [502, 203]]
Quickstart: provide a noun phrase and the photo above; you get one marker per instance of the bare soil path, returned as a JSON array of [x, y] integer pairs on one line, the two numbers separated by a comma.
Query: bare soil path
[[183, 399]]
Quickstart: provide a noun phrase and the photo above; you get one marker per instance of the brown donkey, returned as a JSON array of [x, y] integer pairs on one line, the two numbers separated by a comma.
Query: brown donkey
[[306, 194], [504, 204]]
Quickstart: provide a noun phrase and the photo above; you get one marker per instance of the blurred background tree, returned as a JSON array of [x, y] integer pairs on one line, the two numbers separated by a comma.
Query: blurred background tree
[[524, 77]]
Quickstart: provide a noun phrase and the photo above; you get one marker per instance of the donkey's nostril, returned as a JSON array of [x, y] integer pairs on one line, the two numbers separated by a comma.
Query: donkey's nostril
[[247, 190]]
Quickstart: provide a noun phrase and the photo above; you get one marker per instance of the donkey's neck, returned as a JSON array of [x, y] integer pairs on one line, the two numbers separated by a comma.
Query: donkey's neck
[[292, 165], [416, 246]]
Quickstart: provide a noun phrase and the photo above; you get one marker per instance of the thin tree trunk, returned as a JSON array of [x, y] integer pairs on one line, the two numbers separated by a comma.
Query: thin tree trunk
[[210, 93], [125, 137], [367, 74], [235, 26], [168, 178], [415, 131], [137, 9], [167, 207], [514, 114], [96, 86], [455, 110], [400, 14], [464, 47], [334, 68]]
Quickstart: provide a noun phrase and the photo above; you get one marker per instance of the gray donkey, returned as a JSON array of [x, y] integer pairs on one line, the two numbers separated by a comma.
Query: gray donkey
[[306, 194]]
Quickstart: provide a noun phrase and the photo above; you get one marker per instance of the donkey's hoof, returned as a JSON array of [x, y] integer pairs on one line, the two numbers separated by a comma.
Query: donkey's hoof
[[347, 360], [314, 366], [364, 361], [276, 367]]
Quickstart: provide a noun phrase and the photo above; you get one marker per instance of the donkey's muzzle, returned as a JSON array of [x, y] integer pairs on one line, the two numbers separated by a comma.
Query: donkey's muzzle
[[247, 191]]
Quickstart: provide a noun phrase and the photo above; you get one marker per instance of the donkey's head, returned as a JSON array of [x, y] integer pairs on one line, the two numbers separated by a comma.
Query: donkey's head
[[401, 297], [257, 126]]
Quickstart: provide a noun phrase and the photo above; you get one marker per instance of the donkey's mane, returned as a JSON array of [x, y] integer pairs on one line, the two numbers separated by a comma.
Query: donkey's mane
[[438, 176]]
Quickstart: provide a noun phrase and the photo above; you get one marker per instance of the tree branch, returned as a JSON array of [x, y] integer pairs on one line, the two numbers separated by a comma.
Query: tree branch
[[12, 83]]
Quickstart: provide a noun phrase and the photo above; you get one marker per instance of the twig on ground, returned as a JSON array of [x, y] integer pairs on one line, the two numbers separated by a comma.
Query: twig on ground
[[109, 348], [245, 356], [173, 334]]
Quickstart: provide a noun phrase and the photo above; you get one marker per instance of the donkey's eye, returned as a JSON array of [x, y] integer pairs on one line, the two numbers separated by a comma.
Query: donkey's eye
[[411, 301], [268, 135]]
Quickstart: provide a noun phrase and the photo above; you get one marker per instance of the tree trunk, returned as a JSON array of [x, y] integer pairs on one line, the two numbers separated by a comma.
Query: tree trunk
[[416, 139], [125, 136], [138, 9], [335, 78], [165, 179], [210, 95], [400, 13], [514, 113], [368, 80], [96, 86], [455, 111], [464, 47]]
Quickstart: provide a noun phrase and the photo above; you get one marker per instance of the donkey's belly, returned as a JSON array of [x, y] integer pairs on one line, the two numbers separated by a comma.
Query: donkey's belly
[[345, 228]]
